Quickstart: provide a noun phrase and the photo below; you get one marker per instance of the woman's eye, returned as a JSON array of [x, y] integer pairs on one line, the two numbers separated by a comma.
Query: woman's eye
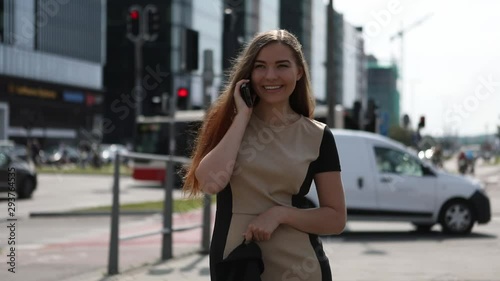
[[282, 65], [259, 66]]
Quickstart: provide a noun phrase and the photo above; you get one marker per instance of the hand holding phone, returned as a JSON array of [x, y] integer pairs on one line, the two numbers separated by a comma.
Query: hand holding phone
[[246, 94]]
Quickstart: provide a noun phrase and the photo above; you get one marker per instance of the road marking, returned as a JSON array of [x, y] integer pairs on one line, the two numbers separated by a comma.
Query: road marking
[[30, 246], [491, 180]]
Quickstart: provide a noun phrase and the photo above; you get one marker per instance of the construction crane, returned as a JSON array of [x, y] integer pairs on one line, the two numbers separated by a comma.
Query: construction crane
[[400, 34]]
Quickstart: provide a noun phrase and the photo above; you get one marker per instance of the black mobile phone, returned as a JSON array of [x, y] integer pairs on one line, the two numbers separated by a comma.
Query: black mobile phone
[[246, 94]]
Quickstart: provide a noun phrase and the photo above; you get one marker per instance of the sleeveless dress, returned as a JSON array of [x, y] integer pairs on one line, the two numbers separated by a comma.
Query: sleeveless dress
[[275, 166]]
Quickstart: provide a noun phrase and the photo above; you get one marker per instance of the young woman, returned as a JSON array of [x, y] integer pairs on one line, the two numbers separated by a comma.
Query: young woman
[[261, 160]]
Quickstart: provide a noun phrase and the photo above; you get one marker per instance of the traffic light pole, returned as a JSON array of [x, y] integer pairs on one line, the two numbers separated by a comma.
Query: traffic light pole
[[166, 244], [138, 91], [208, 80], [142, 25]]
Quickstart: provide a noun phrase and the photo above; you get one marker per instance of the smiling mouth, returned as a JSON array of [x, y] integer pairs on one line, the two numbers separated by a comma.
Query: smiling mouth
[[272, 87]]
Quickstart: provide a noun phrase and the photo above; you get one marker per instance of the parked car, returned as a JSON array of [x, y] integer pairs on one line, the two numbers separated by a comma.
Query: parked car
[[108, 152], [25, 175], [62, 155], [15, 149], [384, 180]]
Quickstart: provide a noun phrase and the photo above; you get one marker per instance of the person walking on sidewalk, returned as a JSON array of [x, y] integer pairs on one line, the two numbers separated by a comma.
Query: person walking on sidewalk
[[261, 159]]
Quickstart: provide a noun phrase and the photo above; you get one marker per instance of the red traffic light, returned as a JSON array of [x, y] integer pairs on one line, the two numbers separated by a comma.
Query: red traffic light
[[421, 123], [134, 14], [182, 93]]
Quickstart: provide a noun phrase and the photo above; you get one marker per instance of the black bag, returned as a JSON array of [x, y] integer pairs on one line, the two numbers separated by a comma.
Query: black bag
[[244, 263]]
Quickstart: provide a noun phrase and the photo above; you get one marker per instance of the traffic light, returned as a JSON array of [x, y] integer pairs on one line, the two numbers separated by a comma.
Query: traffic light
[[134, 22], [421, 123], [349, 122], [371, 117], [406, 121], [152, 23], [356, 112], [182, 98]]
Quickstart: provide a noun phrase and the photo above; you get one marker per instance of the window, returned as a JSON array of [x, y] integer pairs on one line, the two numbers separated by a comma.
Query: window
[[397, 162], [1, 21]]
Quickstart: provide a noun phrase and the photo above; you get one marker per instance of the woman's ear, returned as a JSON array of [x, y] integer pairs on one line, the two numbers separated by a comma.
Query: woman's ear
[[300, 73]]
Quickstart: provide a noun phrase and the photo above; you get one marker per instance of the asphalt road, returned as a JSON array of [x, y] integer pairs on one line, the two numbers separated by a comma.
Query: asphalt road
[[373, 251], [60, 248]]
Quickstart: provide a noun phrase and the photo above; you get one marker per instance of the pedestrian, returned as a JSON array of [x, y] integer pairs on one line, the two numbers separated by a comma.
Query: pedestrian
[[261, 159]]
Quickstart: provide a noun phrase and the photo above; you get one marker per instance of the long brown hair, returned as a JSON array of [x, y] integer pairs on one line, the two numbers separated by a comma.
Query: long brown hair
[[221, 113]]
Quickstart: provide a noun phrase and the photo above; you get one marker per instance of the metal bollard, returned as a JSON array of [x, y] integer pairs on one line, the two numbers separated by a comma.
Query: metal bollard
[[113, 246], [207, 209], [166, 246]]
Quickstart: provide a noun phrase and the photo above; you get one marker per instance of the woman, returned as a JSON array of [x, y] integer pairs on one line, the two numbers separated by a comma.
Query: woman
[[261, 160]]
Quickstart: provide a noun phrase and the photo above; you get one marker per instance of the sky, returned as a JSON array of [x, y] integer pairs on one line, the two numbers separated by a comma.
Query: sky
[[451, 61]]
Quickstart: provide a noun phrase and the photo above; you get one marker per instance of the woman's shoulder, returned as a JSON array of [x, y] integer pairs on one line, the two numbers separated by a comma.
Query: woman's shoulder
[[313, 124]]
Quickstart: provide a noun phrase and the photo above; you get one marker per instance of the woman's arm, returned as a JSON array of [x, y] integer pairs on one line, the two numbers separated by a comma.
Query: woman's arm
[[329, 218], [216, 168]]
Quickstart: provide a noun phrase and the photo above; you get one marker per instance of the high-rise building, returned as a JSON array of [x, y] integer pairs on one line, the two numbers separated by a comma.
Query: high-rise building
[[382, 89], [354, 66]]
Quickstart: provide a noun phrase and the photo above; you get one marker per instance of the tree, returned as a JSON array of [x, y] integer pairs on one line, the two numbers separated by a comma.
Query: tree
[[402, 135]]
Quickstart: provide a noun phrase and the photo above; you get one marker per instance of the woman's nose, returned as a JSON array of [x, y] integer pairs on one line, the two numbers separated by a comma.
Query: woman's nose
[[271, 73]]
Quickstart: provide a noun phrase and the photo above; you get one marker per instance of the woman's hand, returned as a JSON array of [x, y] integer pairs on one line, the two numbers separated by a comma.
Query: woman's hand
[[241, 106], [262, 227]]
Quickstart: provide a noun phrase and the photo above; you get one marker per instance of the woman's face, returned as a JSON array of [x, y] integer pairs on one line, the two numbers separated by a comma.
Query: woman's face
[[275, 74]]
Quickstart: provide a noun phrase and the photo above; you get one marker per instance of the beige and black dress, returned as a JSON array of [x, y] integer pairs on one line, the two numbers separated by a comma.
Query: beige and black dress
[[275, 166]]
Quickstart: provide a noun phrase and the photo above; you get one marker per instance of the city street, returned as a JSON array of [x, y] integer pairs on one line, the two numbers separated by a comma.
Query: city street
[[59, 247], [247, 91], [76, 248], [63, 192]]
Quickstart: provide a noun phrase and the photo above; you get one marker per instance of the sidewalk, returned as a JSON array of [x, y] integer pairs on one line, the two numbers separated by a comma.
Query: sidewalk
[[187, 262], [194, 267], [379, 251]]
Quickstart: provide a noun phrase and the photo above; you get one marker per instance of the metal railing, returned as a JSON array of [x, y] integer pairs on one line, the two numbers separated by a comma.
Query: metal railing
[[167, 230]]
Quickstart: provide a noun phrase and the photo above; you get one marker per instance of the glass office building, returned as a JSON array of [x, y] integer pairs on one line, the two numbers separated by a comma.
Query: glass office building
[[51, 58]]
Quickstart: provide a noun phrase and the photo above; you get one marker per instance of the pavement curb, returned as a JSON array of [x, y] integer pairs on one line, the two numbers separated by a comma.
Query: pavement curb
[[125, 275], [87, 214]]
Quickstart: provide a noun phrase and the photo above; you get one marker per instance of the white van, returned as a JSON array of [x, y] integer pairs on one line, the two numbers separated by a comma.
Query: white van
[[384, 180]]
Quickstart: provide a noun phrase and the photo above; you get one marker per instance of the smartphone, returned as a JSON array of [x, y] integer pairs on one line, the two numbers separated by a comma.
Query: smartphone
[[246, 94]]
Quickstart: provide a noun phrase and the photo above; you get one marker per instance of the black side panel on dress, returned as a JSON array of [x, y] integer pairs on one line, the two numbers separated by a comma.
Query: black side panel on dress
[[221, 228], [326, 272], [328, 159]]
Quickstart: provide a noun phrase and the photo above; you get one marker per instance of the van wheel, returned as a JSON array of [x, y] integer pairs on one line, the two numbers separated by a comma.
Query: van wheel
[[26, 189], [457, 217], [423, 227]]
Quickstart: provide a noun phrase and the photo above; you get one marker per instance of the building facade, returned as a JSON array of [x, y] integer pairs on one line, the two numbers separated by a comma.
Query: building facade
[[51, 58], [67, 67], [382, 89]]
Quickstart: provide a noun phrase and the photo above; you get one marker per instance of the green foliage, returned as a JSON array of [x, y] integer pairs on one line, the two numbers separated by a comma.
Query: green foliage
[[180, 205], [398, 133]]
